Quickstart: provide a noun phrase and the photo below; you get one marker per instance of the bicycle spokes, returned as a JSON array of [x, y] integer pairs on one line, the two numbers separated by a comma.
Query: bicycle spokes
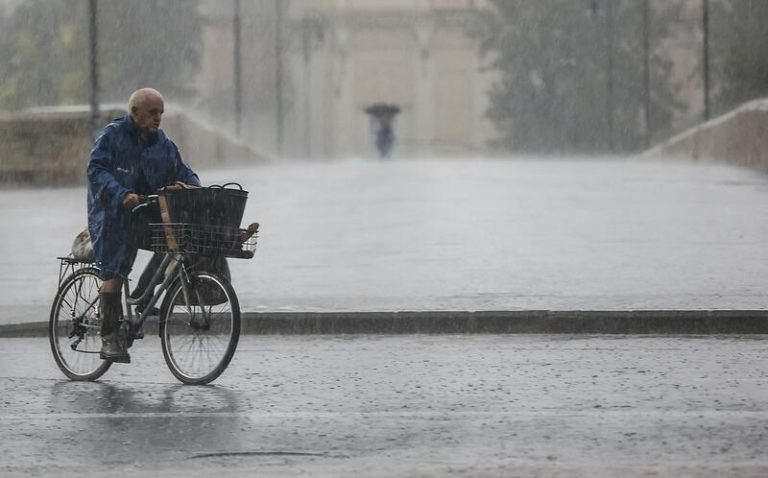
[[200, 328], [75, 326]]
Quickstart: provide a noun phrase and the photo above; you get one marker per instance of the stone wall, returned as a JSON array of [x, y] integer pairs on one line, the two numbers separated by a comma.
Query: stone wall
[[51, 148], [739, 137]]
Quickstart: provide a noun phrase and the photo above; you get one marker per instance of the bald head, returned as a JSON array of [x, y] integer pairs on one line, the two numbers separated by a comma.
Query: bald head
[[146, 106]]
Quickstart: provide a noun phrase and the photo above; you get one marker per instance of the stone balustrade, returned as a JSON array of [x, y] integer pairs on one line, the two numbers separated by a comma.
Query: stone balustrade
[[739, 137], [50, 148]]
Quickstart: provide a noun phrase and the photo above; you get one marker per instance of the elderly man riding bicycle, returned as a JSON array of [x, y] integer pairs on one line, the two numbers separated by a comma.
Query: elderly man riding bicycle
[[131, 156]]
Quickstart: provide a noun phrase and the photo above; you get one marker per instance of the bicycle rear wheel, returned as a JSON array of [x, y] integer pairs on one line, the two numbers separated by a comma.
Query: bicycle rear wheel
[[74, 328], [199, 330]]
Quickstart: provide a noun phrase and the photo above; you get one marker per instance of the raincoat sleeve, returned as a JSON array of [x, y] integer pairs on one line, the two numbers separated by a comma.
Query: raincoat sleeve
[[183, 172], [106, 189]]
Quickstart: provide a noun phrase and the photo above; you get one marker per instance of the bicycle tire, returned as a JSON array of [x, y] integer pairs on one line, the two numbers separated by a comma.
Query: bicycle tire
[[210, 336], [78, 294]]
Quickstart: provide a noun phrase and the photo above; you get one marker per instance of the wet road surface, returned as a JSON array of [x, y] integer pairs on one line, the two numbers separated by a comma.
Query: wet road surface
[[514, 234], [408, 405]]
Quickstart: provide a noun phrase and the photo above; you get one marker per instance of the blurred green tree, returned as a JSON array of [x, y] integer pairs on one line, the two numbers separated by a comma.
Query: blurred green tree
[[738, 35], [45, 56], [554, 69]]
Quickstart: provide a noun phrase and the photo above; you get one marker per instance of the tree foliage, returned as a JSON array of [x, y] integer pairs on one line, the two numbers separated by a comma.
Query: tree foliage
[[738, 35], [557, 61], [44, 50]]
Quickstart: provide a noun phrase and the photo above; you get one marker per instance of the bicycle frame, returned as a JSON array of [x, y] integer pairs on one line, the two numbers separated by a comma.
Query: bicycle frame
[[171, 267]]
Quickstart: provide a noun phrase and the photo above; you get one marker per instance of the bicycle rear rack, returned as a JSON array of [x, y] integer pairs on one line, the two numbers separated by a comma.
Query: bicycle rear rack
[[68, 265]]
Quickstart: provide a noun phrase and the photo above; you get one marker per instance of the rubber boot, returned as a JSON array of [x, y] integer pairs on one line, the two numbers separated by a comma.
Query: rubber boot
[[113, 346]]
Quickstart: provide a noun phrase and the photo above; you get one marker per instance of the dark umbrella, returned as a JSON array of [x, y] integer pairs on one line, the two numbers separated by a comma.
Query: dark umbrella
[[382, 110]]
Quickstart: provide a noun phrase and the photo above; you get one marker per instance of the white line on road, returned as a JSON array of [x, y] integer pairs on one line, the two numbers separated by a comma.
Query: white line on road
[[441, 415]]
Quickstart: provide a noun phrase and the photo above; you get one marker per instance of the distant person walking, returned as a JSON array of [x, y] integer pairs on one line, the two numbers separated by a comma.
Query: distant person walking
[[382, 118], [131, 156]]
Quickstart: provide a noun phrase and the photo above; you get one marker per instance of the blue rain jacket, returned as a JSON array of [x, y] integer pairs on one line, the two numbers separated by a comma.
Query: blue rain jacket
[[124, 161]]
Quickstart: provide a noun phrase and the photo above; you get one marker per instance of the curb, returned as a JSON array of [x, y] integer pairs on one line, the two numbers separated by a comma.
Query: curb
[[630, 322]]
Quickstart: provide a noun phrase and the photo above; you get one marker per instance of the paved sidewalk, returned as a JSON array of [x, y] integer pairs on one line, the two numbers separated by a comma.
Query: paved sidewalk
[[457, 235]]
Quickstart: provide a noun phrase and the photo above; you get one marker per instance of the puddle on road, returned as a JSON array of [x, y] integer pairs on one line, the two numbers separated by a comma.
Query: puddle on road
[[261, 453]]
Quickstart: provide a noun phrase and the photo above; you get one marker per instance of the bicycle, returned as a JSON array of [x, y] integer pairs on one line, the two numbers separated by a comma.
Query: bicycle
[[199, 319]]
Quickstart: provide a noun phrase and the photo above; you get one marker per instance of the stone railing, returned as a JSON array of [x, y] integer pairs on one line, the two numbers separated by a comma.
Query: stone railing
[[51, 147], [739, 137]]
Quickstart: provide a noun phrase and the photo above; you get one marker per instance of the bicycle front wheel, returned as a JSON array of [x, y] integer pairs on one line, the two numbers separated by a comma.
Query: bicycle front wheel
[[200, 328], [74, 328]]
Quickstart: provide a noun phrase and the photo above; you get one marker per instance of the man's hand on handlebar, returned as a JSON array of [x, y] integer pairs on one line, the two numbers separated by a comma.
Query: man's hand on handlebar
[[131, 200]]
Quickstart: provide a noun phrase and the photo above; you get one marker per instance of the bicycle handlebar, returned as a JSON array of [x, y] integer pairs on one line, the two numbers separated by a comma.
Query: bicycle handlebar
[[145, 201]]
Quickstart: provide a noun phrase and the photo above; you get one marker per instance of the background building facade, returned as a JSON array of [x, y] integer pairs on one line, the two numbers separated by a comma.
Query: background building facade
[[310, 69]]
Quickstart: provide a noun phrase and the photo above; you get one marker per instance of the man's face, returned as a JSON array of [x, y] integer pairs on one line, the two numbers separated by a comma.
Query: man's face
[[148, 115]]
